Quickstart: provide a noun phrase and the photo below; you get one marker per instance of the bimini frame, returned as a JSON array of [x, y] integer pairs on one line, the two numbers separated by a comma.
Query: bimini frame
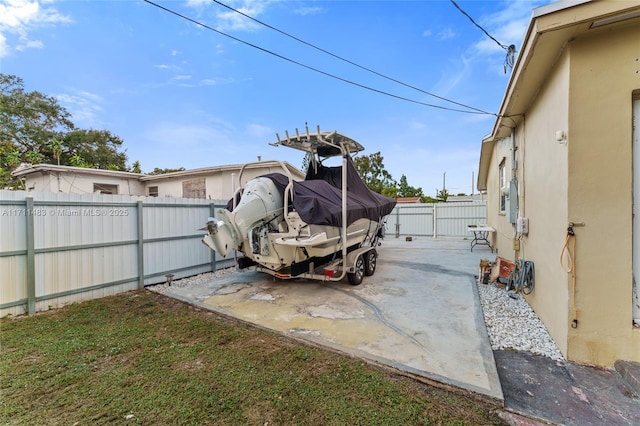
[[318, 145]]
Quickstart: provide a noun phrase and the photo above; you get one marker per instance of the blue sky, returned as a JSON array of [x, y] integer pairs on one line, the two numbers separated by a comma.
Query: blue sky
[[180, 95]]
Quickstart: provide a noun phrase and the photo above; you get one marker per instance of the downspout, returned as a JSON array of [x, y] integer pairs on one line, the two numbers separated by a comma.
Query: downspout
[[514, 180]]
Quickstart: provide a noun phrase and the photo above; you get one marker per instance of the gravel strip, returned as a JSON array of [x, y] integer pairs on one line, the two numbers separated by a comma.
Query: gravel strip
[[191, 281], [511, 322]]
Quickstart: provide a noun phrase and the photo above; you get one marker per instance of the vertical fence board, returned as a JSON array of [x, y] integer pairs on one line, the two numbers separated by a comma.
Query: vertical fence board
[[58, 248], [451, 219], [85, 246]]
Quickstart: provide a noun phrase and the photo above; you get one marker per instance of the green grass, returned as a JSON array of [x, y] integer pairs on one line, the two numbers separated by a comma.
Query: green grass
[[143, 358]]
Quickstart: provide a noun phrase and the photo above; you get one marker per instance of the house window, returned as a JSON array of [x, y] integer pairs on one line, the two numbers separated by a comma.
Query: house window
[[503, 189], [153, 191], [105, 188], [195, 188]]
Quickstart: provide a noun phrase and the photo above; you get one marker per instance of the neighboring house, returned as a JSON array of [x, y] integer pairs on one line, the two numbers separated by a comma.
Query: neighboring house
[[216, 183], [212, 182], [465, 198], [79, 180], [563, 150], [408, 200]]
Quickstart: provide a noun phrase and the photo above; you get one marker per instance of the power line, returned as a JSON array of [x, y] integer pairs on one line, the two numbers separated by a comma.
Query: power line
[[310, 67], [511, 49], [347, 60], [478, 25]]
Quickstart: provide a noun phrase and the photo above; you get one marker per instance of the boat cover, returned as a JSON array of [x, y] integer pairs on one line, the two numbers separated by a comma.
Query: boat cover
[[318, 199]]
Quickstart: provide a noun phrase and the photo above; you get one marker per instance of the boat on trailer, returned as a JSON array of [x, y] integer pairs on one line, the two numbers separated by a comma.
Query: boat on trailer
[[323, 228]]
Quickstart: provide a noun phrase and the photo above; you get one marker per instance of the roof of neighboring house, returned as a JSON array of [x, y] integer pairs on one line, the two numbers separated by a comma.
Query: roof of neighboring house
[[52, 168], [408, 199], [28, 169], [219, 169], [550, 29]]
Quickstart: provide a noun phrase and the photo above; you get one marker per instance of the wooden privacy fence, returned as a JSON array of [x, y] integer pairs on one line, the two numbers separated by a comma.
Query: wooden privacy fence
[[58, 248], [436, 220]]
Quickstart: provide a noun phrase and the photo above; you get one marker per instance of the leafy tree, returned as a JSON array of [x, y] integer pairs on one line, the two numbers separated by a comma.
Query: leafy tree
[[34, 157], [443, 195], [56, 149], [390, 191], [136, 167], [406, 190], [29, 120], [34, 128], [77, 161], [99, 148], [158, 171], [373, 173]]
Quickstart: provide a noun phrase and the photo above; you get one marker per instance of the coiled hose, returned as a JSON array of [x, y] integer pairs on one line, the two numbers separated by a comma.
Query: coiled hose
[[523, 277]]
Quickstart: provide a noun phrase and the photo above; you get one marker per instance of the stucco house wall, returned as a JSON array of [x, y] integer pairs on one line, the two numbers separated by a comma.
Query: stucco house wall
[[214, 183], [604, 75], [219, 181], [567, 121], [51, 178]]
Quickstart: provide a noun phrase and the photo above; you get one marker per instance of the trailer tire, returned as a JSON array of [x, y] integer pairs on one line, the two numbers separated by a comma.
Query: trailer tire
[[356, 277], [370, 260]]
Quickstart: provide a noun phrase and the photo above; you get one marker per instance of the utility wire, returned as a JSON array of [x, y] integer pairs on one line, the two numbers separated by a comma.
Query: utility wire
[[347, 60], [309, 67], [511, 49], [505, 47]]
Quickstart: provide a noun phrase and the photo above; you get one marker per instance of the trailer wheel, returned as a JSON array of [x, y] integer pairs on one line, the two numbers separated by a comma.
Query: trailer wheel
[[356, 277], [370, 262]]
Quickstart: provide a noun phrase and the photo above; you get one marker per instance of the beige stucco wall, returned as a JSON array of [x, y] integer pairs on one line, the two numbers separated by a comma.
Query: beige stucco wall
[[542, 174], [587, 94], [219, 184], [501, 240], [604, 74], [80, 183]]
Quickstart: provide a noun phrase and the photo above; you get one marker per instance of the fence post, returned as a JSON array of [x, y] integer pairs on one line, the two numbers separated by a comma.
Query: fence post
[[140, 245], [435, 221], [214, 266], [397, 221], [31, 257]]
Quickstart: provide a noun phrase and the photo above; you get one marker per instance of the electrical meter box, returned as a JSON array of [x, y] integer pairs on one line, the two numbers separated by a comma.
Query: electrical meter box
[[522, 226]]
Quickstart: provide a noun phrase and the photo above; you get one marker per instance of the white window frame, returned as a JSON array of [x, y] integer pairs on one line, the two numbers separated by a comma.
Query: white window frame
[[503, 188]]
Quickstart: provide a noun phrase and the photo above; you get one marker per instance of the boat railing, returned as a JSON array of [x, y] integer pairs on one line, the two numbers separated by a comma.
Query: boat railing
[[288, 190]]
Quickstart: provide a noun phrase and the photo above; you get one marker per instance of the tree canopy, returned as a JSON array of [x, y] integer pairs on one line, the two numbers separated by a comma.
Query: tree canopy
[[374, 175], [35, 128], [406, 190], [377, 178]]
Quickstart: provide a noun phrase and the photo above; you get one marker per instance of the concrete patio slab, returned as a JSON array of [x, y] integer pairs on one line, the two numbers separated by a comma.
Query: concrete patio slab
[[419, 312]]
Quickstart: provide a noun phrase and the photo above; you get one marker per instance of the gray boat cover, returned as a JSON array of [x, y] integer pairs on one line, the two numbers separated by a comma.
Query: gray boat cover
[[318, 199]]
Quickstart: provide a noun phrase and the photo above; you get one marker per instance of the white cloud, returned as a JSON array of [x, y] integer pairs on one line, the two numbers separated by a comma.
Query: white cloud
[[446, 34], [19, 18], [507, 26], [234, 21], [308, 10], [259, 131], [85, 107]]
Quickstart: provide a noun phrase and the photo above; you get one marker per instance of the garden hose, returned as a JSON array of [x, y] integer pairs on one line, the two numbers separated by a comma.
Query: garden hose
[[570, 248], [527, 277]]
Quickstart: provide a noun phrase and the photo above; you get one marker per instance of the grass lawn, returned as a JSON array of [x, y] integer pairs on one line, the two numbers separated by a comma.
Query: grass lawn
[[144, 358]]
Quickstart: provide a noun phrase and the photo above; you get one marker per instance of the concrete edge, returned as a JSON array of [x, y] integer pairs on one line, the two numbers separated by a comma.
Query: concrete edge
[[421, 376], [630, 372]]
